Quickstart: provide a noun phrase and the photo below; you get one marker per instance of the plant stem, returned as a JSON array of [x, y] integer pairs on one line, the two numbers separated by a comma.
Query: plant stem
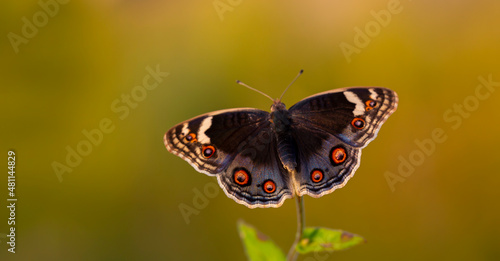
[[301, 221]]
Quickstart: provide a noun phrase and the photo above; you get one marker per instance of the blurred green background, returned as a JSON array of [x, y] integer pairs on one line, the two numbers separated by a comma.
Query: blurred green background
[[61, 76]]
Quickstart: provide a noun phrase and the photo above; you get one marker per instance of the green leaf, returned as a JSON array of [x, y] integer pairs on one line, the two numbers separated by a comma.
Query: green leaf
[[316, 239], [258, 246]]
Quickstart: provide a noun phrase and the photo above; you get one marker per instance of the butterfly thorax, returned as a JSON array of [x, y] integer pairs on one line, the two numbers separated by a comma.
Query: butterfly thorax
[[281, 122], [280, 117]]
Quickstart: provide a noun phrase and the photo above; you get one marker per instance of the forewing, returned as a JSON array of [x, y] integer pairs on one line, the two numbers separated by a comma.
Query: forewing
[[223, 131], [353, 115]]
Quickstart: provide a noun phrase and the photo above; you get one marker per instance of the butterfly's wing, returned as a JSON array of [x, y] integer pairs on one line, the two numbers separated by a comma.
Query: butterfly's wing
[[346, 113], [238, 146], [256, 177], [331, 128]]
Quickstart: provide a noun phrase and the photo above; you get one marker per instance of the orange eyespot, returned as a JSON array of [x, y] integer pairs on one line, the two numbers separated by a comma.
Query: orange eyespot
[[208, 151], [358, 123], [370, 104], [338, 155], [269, 186], [191, 137], [316, 176], [241, 177]]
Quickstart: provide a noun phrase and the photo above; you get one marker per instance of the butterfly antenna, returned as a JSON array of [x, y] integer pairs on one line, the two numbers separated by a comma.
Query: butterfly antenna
[[296, 77], [253, 89]]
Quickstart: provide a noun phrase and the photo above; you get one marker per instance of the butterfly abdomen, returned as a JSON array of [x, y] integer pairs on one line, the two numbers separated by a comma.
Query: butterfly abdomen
[[285, 145], [286, 151]]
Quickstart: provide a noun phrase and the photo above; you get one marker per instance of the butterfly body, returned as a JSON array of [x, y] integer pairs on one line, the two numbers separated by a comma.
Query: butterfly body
[[261, 158], [281, 122]]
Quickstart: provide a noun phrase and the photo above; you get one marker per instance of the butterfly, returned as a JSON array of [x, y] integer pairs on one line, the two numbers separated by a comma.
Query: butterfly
[[262, 158]]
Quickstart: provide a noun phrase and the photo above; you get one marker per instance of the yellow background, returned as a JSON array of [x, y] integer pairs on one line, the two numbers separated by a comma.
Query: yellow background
[[122, 201]]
